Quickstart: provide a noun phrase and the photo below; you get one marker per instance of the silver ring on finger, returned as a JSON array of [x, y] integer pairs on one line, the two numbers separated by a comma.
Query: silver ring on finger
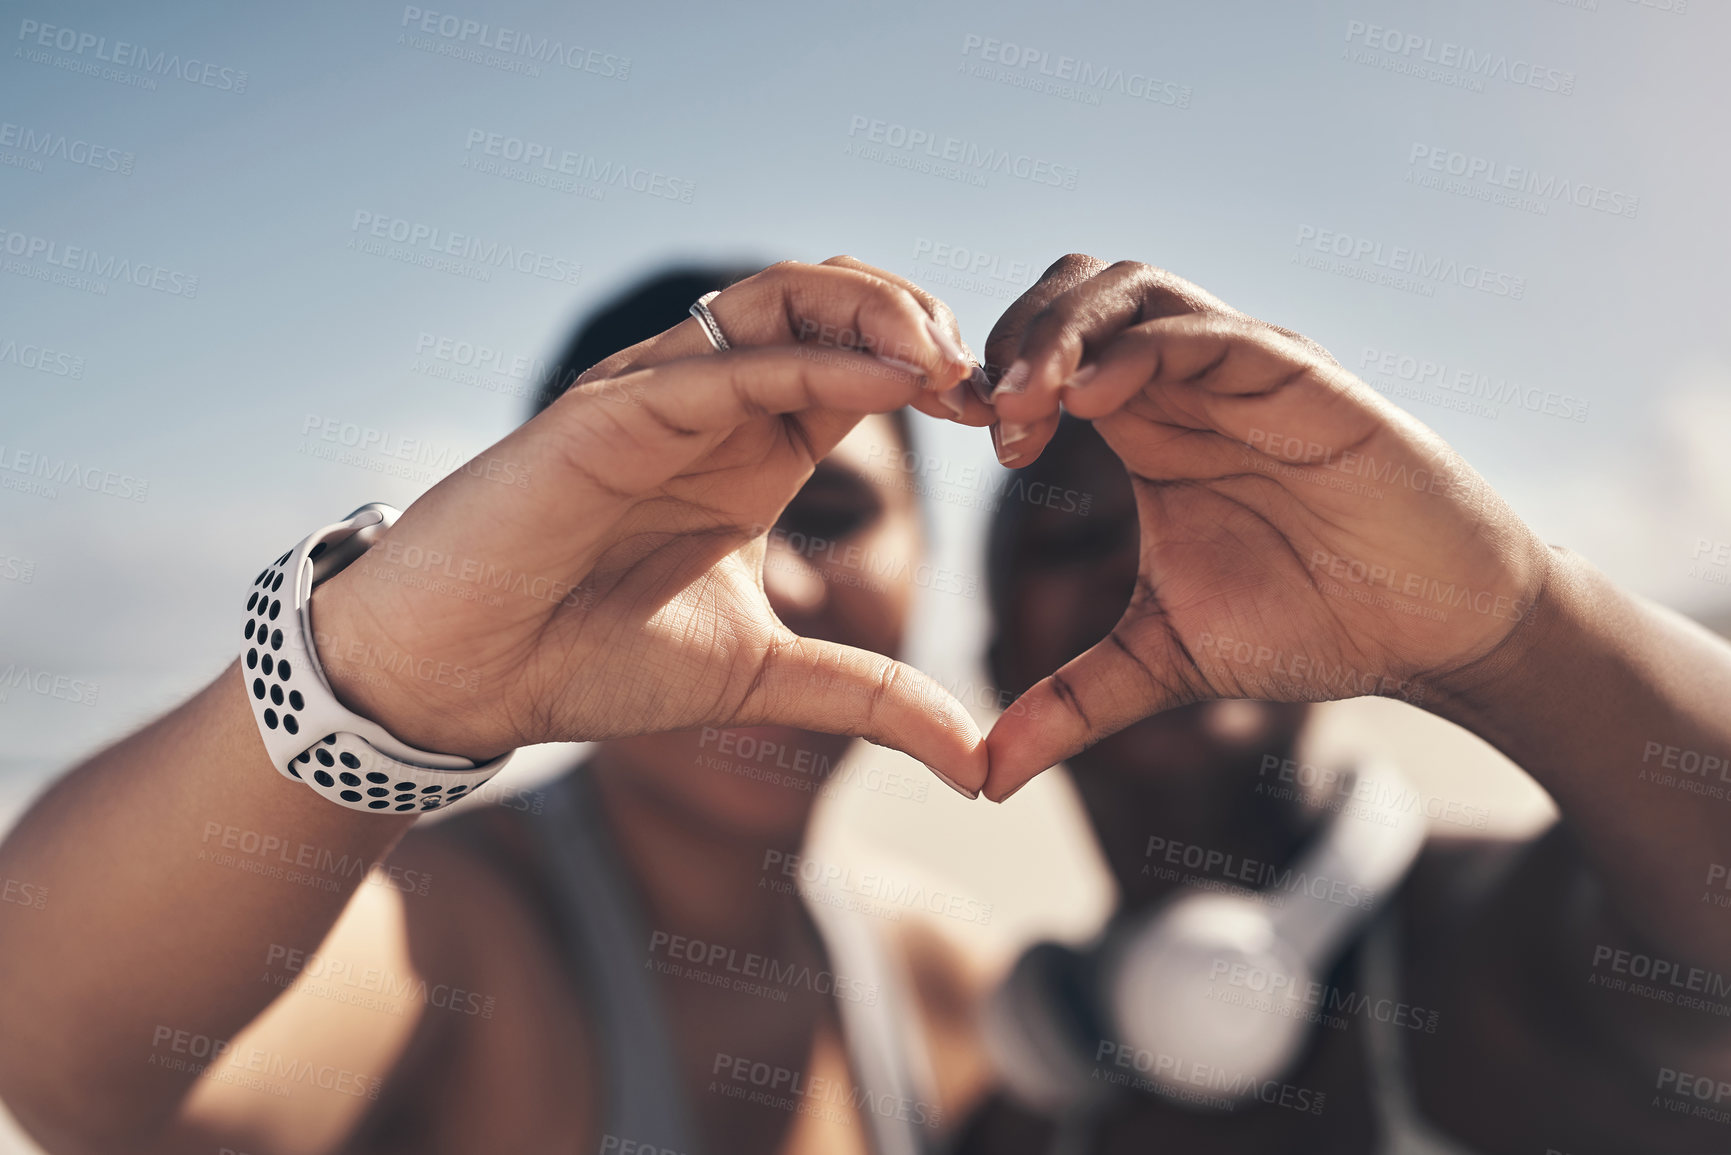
[[706, 320]]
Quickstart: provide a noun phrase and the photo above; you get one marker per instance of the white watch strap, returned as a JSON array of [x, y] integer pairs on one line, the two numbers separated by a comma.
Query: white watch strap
[[308, 733]]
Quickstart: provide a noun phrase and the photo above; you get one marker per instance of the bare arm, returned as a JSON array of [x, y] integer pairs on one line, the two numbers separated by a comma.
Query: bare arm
[[160, 914], [1598, 697]]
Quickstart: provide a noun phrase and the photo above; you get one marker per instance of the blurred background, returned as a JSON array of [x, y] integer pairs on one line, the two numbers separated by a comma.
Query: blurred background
[[258, 267]]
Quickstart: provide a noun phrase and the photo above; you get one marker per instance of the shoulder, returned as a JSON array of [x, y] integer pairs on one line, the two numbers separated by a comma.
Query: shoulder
[[433, 1016], [948, 985], [1536, 1042], [502, 1024]]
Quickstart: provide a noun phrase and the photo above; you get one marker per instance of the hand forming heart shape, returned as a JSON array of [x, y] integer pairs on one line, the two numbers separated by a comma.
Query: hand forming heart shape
[[1302, 539]]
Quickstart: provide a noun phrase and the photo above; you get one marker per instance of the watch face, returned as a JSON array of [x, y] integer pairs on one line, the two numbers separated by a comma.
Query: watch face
[[354, 535]]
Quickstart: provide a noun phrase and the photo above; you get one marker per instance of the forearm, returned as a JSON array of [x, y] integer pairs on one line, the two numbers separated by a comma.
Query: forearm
[[1581, 697], [174, 863]]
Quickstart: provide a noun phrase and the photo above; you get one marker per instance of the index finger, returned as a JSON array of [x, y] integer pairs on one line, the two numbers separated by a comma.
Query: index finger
[[967, 402], [1080, 321], [1060, 276], [1019, 443], [792, 303]]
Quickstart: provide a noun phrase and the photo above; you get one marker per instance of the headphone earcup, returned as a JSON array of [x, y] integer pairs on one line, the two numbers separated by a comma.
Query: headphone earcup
[[1212, 989], [1207, 985], [1042, 1026]]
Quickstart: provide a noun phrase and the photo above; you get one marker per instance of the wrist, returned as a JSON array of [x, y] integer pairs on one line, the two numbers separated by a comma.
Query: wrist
[[428, 702], [1531, 665]]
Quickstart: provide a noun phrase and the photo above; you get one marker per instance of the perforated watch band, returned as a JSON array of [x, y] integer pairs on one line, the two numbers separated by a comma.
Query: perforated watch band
[[309, 734]]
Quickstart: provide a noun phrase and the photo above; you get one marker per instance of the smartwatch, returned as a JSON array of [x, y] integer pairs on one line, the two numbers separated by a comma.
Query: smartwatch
[[309, 734]]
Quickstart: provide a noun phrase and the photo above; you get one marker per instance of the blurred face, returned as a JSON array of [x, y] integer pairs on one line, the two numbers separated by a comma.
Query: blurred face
[[1071, 576], [839, 567]]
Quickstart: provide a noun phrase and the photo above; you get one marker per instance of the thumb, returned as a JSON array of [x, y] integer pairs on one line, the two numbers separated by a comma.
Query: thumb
[[1114, 684], [836, 689]]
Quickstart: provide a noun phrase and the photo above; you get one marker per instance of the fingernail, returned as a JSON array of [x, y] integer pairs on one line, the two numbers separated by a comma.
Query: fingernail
[[951, 398], [1082, 376], [982, 384], [1006, 455], [952, 351], [1012, 792], [1015, 379], [970, 795], [1012, 432]]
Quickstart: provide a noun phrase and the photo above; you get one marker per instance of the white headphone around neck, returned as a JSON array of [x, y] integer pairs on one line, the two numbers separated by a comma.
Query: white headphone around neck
[[1210, 980]]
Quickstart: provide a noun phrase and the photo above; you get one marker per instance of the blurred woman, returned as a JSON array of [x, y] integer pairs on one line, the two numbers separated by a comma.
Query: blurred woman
[[618, 964], [1267, 531]]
